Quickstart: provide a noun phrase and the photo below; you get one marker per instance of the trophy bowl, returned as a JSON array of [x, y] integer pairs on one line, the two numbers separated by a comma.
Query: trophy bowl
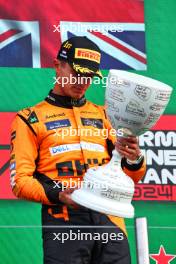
[[134, 104]]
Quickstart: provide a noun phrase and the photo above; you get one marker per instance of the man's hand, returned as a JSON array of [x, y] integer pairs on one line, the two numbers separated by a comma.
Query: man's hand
[[128, 147], [65, 197]]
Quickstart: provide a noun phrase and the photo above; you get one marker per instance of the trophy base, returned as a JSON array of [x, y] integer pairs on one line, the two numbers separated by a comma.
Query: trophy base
[[102, 204]]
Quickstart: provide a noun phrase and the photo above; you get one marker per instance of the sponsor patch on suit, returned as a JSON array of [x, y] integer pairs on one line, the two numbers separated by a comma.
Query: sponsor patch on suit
[[57, 124], [98, 123]]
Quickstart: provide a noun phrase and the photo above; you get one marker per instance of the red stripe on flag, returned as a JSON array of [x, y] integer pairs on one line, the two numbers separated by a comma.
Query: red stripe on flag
[[120, 46], [8, 34]]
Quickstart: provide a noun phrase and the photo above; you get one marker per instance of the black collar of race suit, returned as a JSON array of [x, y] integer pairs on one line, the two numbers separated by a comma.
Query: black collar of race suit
[[64, 101]]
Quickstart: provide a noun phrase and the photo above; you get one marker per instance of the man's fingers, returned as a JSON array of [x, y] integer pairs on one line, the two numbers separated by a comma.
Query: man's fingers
[[70, 190], [127, 149], [71, 203], [65, 197], [127, 146], [128, 153], [128, 140]]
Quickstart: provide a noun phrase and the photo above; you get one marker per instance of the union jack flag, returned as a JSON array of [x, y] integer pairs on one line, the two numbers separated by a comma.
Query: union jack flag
[[19, 44], [28, 37], [122, 48]]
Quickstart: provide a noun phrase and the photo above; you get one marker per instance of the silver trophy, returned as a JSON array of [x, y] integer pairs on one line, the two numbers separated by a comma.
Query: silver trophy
[[134, 105]]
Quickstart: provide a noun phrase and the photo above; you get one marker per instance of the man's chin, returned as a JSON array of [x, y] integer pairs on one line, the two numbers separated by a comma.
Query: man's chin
[[77, 96]]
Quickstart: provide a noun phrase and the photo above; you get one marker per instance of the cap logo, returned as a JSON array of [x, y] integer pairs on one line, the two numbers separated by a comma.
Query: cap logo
[[67, 45], [87, 54]]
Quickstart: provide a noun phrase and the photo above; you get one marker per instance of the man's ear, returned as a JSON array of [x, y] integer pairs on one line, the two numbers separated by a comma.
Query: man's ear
[[56, 63]]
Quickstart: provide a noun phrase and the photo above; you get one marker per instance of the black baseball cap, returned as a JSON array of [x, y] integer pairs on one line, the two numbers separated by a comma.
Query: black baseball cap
[[82, 54]]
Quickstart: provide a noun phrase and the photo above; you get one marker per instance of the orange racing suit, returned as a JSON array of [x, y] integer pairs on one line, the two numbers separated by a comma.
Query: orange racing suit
[[43, 150], [58, 139]]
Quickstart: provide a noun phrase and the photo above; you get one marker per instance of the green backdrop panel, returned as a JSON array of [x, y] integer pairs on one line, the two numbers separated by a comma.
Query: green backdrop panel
[[20, 231], [21, 87]]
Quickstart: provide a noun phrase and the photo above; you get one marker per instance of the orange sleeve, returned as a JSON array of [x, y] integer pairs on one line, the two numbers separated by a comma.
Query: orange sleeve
[[24, 153], [135, 172]]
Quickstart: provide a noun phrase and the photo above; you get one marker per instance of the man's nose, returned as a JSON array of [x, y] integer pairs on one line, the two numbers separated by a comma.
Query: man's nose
[[82, 81]]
